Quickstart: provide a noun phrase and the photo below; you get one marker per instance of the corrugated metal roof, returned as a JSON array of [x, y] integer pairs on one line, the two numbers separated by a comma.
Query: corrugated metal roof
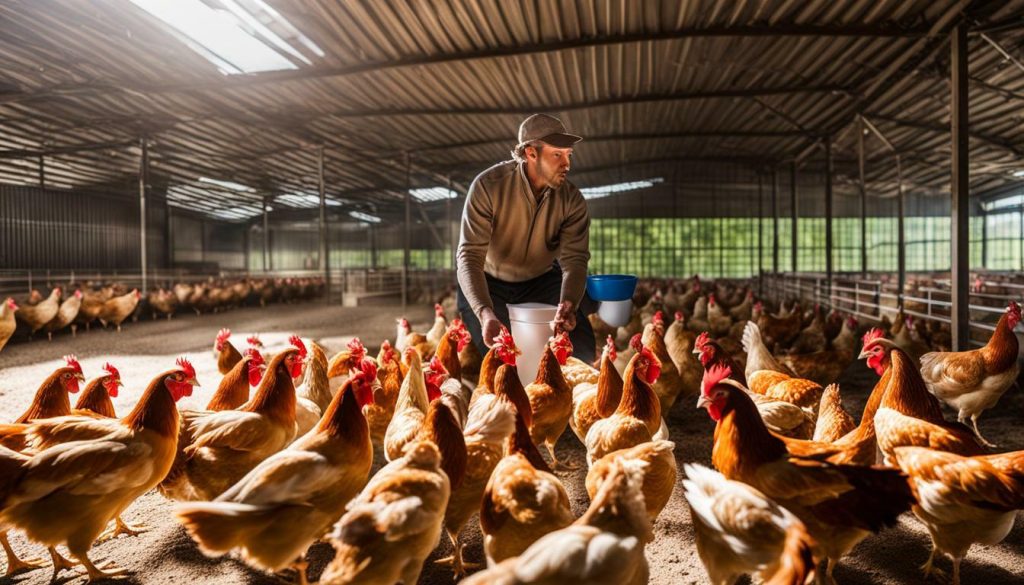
[[648, 83]]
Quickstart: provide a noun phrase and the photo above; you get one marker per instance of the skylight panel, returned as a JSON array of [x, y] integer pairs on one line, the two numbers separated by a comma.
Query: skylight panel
[[224, 37], [606, 190], [1011, 201], [366, 217], [305, 200], [432, 194], [228, 185]]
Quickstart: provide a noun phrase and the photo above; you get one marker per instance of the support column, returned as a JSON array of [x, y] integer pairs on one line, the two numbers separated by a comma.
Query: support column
[[452, 243], [863, 198], [266, 234], [959, 242], [325, 251], [984, 239], [901, 244], [408, 231], [775, 221], [760, 236], [794, 216], [828, 218], [143, 172]]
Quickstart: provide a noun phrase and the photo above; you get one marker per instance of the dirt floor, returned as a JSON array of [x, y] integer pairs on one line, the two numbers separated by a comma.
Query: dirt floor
[[165, 554]]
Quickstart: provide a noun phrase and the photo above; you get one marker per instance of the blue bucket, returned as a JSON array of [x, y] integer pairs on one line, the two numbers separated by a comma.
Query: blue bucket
[[611, 287]]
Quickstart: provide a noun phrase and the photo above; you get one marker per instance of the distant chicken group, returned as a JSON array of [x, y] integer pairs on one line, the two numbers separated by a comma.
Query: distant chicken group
[[282, 455]]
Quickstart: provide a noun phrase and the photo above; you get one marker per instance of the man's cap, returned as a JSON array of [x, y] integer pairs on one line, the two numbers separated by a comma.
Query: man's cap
[[547, 129]]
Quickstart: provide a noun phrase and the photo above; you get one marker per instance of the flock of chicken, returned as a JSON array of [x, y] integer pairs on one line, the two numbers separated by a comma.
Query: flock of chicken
[[263, 474], [112, 305]]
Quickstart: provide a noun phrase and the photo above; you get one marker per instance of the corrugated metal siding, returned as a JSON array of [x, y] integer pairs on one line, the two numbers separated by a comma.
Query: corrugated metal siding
[[57, 229]]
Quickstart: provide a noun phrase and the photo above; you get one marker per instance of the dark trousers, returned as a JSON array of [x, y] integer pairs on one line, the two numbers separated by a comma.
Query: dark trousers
[[546, 288]]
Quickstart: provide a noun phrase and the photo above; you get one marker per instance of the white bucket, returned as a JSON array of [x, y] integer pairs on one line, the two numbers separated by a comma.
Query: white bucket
[[615, 313], [531, 328]]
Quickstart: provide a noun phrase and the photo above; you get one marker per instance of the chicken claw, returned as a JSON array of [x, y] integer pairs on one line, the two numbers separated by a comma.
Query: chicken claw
[[459, 565], [121, 527], [59, 563], [977, 433], [108, 571], [14, 564], [561, 465], [930, 569]]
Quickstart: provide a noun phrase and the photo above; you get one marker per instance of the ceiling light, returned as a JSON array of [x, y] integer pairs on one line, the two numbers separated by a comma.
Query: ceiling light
[[606, 190], [1019, 173], [365, 217], [433, 194]]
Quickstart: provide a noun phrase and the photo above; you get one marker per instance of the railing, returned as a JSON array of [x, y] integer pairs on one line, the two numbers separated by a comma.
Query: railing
[[873, 298]]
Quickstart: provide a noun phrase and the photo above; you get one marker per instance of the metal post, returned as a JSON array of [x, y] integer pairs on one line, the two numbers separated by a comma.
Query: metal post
[[794, 215], [325, 260], [901, 248], [775, 221], [452, 244], [408, 229], [828, 217], [960, 191], [760, 236], [863, 198], [984, 239], [42, 172], [266, 234], [143, 170]]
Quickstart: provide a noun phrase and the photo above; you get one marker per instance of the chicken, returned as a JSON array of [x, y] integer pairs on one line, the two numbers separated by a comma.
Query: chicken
[[502, 352], [225, 353], [12, 468], [551, 397], [659, 475], [442, 428], [523, 500], [92, 304], [718, 319], [812, 337], [766, 376], [51, 399], [117, 309], [963, 501], [709, 352], [491, 421], [86, 470], [163, 302], [410, 410], [313, 395], [65, 316], [679, 341], [38, 315], [437, 330], [638, 416], [449, 390], [973, 381], [603, 547], [293, 497], [670, 384], [839, 504], [344, 361], [7, 321], [385, 393], [402, 331], [574, 370], [233, 390], [217, 449], [393, 524], [744, 310], [907, 415], [833, 420], [98, 392], [780, 330], [593, 401], [825, 367], [454, 340], [739, 530], [907, 339]]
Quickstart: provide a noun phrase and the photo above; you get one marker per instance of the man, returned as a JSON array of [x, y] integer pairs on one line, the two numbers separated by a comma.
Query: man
[[525, 238]]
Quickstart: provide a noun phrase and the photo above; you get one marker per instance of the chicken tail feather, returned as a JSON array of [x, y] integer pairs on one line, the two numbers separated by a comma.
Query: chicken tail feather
[[218, 527]]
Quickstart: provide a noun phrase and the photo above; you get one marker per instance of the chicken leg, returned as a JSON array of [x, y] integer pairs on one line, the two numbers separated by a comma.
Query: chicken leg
[[560, 465], [121, 527], [929, 566], [59, 563], [977, 433], [14, 564], [459, 566]]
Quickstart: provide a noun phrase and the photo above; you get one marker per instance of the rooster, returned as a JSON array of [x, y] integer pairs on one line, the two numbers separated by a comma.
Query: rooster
[[65, 316], [38, 315], [638, 416], [523, 500], [659, 475], [7, 321], [491, 421], [710, 353], [973, 381], [593, 401], [294, 496], [963, 501], [225, 353], [410, 410], [740, 530], [393, 524], [907, 415], [551, 397], [216, 449], [603, 547], [87, 470], [233, 390], [840, 504], [117, 309]]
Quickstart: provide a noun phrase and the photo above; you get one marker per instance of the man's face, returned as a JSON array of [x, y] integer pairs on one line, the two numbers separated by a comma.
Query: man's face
[[551, 164]]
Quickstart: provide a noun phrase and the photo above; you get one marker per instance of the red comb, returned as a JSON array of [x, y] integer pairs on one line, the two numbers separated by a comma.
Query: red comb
[[713, 376], [1013, 306], [297, 343], [436, 365], [222, 336], [701, 340], [254, 354], [254, 339], [609, 347], [186, 367], [439, 310], [636, 342], [72, 362], [679, 315], [505, 339], [110, 369], [356, 348], [658, 319], [873, 335], [367, 370]]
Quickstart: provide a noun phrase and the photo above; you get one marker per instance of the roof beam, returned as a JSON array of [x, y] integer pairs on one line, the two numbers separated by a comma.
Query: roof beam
[[631, 136], [69, 149], [944, 129]]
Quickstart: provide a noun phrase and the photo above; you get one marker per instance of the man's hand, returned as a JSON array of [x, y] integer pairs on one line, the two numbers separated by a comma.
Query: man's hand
[[565, 317], [490, 326]]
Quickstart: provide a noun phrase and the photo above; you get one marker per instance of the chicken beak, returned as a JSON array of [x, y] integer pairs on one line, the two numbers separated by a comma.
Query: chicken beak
[[194, 382], [80, 377], [120, 384], [696, 351], [864, 354], [703, 402]]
